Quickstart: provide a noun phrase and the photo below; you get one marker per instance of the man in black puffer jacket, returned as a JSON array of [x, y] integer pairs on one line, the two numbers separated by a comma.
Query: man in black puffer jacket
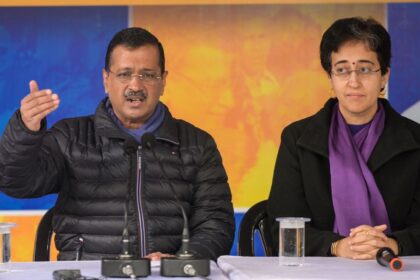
[[97, 164]]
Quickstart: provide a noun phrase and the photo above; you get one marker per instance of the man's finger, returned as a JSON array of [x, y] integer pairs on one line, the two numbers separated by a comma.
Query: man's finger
[[46, 111], [33, 86], [155, 256]]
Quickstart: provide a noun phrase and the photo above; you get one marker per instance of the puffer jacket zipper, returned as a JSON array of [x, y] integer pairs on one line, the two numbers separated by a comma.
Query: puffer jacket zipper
[[140, 210]]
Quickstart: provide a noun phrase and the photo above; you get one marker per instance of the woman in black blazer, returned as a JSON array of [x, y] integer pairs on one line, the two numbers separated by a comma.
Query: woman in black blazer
[[353, 168]]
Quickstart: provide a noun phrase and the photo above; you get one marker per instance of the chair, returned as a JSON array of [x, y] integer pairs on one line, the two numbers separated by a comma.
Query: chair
[[43, 237], [255, 219]]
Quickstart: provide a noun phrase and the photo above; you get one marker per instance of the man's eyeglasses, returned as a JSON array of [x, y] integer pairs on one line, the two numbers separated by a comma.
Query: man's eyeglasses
[[345, 73], [147, 77]]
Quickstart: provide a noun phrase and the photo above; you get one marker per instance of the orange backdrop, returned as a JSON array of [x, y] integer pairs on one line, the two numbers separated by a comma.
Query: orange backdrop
[[243, 72]]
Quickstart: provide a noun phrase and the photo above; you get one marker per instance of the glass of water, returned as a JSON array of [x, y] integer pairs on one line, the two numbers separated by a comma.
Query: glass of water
[[292, 241], [5, 248]]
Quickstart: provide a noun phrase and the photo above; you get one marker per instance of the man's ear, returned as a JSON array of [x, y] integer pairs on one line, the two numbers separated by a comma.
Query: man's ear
[[164, 75], [105, 77]]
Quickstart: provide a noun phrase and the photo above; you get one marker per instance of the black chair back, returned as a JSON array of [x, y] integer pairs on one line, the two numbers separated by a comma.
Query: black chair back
[[255, 220], [43, 237]]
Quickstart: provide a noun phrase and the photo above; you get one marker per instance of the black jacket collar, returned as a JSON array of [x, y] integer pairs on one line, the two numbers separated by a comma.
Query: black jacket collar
[[395, 139], [315, 134], [105, 126], [168, 131]]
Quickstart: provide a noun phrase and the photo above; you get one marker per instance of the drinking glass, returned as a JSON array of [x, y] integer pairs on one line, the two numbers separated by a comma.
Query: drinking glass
[[5, 246], [292, 240]]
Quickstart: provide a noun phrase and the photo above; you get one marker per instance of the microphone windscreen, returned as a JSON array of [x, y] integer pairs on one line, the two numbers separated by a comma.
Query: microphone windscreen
[[130, 146]]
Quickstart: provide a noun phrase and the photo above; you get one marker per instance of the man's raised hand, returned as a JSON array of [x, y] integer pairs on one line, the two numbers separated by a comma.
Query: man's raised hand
[[37, 105]]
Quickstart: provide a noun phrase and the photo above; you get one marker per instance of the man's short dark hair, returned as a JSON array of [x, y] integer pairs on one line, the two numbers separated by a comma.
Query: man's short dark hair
[[134, 37], [368, 31]]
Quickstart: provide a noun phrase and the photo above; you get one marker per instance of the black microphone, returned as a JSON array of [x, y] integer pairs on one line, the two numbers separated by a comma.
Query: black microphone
[[184, 263], [125, 265], [386, 257], [130, 146]]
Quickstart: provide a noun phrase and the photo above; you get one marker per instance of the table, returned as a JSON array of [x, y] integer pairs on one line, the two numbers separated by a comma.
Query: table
[[44, 270], [244, 268]]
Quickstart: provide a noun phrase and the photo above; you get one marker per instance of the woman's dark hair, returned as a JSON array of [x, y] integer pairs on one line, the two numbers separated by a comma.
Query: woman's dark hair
[[134, 37], [368, 31]]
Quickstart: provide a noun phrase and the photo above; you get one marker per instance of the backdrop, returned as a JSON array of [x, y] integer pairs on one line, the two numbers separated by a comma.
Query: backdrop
[[241, 72]]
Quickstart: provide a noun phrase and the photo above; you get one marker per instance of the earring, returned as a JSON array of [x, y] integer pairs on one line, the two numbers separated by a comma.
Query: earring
[[382, 92]]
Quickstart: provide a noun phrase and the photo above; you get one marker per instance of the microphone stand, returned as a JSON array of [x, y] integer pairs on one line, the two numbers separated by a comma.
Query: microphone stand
[[184, 264], [125, 265]]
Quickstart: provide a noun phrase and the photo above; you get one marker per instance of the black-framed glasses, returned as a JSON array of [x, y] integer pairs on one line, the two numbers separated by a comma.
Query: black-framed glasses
[[344, 73], [147, 77]]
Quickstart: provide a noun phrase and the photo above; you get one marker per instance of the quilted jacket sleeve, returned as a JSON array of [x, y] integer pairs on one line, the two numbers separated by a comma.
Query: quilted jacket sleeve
[[30, 162], [212, 221]]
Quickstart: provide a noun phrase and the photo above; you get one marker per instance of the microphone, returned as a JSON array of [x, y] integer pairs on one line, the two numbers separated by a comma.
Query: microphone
[[386, 257], [79, 249], [184, 263], [125, 265], [130, 146]]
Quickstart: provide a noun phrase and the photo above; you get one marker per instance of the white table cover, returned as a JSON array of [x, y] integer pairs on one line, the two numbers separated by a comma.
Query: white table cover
[[315, 268], [44, 270]]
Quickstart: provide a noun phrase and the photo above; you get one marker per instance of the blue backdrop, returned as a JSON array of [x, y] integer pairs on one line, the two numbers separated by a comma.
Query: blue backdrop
[[62, 49], [404, 27]]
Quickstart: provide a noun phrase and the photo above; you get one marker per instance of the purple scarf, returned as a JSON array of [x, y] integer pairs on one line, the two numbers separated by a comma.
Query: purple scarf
[[356, 198]]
